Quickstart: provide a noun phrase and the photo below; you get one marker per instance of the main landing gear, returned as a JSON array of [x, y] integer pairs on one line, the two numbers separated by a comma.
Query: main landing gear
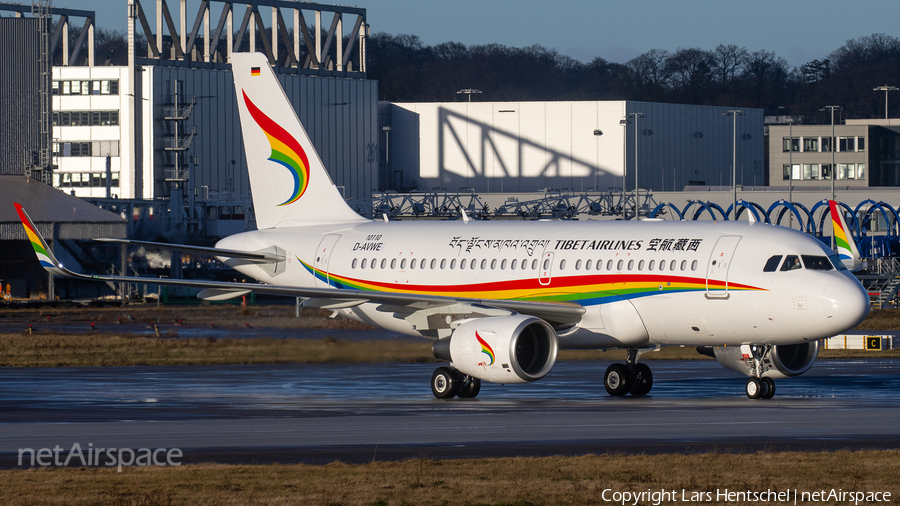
[[447, 382], [757, 386], [629, 378]]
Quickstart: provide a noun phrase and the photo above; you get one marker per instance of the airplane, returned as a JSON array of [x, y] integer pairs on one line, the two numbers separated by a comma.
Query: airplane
[[499, 299]]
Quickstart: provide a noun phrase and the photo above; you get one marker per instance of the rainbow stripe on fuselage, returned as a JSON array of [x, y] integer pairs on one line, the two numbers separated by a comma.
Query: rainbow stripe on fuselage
[[286, 151], [586, 290]]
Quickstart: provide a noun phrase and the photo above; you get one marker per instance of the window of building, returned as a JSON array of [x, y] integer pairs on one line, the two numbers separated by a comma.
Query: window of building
[[85, 180], [791, 144], [795, 172], [96, 87], [826, 171], [810, 171], [846, 143], [860, 143], [861, 171], [846, 171], [826, 144], [85, 118], [786, 174], [810, 144]]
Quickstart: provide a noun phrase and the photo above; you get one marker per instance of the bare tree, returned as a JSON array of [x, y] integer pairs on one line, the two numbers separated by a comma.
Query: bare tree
[[690, 74], [728, 62]]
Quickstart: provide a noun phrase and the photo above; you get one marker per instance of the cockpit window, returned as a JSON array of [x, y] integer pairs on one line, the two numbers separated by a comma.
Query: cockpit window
[[817, 263], [772, 264], [791, 262], [836, 261]]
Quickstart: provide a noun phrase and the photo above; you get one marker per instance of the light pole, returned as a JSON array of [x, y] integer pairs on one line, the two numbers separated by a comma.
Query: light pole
[[634, 117], [886, 89], [791, 169], [734, 114], [833, 146]]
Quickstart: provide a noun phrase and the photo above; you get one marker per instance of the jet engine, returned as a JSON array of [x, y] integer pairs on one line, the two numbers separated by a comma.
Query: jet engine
[[782, 360], [501, 349]]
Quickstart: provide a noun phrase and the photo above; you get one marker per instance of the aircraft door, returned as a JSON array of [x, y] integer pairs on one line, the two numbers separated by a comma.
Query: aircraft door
[[718, 266], [323, 256]]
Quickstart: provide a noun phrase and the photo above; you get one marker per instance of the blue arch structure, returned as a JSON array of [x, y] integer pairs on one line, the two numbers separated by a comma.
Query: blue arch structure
[[894, 229], [854, 224], [806, 224], [660, 207], [753, 208], [703, 207]]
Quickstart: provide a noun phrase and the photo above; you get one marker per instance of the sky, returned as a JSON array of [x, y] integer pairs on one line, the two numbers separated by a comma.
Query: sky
[[797, 30]]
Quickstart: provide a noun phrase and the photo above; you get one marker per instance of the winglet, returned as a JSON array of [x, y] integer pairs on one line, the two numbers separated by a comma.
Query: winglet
[[41, 249], [843, 240]]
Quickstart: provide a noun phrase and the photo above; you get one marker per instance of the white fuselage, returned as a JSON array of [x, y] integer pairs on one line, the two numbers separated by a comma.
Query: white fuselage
[[642, 283]]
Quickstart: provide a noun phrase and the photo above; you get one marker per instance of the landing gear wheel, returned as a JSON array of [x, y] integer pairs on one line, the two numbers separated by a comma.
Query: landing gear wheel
[[641, 380], [754, 388], [468, 387], [444, 383], [770, 383], [616, 380]]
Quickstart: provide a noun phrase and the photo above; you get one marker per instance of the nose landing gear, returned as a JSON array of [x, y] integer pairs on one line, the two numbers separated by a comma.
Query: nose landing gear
[[757, 386]]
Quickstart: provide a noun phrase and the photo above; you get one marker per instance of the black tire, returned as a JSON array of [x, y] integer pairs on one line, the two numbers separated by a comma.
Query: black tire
[[444, 383], [468, 387], [771, 391], [641, 380], [754, 388], [616, 380]]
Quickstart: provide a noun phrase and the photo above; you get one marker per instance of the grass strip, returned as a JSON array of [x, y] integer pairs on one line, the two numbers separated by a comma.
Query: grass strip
[[505, 481]]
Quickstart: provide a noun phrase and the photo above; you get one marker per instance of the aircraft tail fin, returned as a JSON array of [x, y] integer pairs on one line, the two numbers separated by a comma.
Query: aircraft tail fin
[[843, 239], [289, 182]]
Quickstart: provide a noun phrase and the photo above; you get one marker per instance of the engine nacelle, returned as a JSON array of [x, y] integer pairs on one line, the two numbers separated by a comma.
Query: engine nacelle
[[501, 349], [782, 361]]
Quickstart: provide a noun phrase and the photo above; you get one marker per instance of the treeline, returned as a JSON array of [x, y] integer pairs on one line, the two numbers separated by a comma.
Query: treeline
[[410, 71]]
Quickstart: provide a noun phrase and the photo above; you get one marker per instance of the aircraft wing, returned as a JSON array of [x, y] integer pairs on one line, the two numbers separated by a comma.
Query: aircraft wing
[[326, 298], [258, 256]]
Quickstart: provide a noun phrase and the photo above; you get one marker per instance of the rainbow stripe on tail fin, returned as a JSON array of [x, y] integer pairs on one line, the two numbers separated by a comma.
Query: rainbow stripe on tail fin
[[844, 244]]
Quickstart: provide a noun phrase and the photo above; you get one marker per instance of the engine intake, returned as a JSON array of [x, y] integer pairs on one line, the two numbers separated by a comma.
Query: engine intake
[[784, 360], [501, 349]]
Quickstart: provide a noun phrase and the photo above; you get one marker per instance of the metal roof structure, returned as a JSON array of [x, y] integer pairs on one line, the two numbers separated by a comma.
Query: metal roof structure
[[55, 214]]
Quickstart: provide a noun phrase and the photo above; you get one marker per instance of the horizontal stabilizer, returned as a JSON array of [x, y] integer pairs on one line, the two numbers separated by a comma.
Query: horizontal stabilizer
[[257, 256], [215, 294]]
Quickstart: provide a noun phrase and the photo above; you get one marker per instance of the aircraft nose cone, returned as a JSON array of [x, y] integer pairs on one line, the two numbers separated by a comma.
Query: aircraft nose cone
[[846, 304]]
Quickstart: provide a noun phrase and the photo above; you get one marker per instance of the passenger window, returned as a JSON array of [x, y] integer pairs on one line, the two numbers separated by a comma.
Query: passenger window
[[363, 264], [546, 264], [672, 265], [562, 265], [587, 265], [383, 262], [474, 263], [609, 265], [493, 264], [453, 264], [443, 264], [694, 265], [412, 264], [462, 263], [483, 264], [652, 265], [578, 265], [534, 264], [662, 265], [620, 264], [372, 263], [503, 265], [393, 263], [641, 265], [630, 265], [403, 264], [512, 266], [684, 265], [433, 263], [353, 264], [772, 264], [816, 263], [792, 262]]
